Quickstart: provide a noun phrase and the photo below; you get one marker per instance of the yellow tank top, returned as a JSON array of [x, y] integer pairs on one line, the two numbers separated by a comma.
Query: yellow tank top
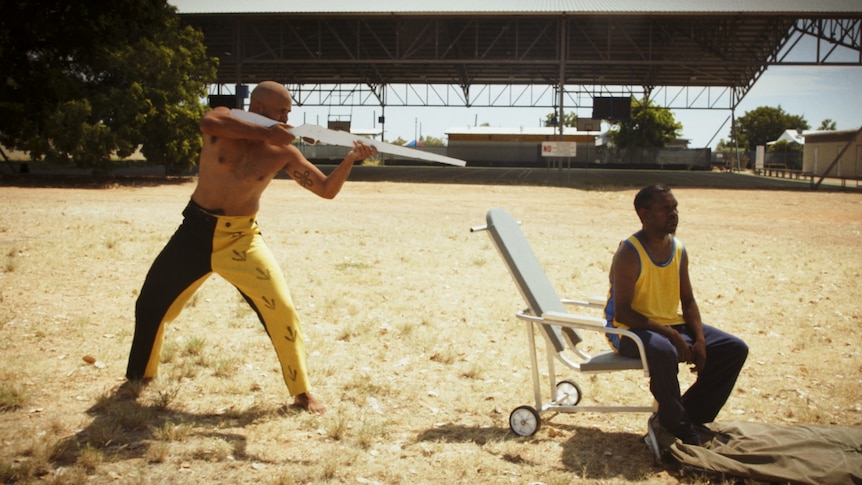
[[657, 287]]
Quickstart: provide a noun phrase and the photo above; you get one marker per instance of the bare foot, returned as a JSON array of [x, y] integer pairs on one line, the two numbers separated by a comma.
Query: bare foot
[[309, 403]]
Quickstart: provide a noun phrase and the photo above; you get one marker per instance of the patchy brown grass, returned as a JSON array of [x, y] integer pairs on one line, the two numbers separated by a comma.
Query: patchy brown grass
[[411, 335]]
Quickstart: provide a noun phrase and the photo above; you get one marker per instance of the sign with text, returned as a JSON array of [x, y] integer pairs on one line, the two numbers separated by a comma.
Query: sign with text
[[559, 149]]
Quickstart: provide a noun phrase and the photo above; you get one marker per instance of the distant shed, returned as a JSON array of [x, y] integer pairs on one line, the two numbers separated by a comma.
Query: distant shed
[[485, 145], [822, 148]]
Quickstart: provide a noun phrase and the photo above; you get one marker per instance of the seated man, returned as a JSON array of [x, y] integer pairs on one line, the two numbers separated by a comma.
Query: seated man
[[649, 281]]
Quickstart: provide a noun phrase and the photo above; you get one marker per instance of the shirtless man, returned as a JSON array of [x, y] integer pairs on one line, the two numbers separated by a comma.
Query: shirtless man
[[219, 234]]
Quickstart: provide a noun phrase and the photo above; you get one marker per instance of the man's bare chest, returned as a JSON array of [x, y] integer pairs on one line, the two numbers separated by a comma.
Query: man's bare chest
[[247, 161]]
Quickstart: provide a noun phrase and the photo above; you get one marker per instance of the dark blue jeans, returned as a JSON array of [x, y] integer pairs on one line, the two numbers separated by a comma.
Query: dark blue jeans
[[725, 356]]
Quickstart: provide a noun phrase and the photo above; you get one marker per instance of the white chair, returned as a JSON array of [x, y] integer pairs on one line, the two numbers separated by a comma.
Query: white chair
[[548, 313]]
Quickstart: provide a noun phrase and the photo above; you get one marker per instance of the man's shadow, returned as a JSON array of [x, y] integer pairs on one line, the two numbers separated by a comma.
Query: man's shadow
[[588, 451], [124, 427]]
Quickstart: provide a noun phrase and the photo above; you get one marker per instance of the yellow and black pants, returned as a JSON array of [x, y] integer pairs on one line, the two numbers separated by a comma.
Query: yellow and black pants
[[231, 246]]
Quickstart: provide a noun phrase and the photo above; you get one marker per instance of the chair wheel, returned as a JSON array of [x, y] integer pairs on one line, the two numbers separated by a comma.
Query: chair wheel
[[568, 393], [524, 421]]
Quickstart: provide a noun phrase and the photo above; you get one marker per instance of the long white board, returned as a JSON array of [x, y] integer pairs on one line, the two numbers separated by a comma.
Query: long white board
[[343, 138]]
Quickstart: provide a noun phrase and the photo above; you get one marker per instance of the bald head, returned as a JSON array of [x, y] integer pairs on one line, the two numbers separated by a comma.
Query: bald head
[[267, 90], [272, 100]]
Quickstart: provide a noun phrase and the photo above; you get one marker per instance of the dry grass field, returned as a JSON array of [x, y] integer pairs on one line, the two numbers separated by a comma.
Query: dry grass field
[[412, 339]]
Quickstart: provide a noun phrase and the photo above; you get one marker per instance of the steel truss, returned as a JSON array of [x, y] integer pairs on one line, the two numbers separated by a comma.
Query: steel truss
[[506, 95], [552, 61]]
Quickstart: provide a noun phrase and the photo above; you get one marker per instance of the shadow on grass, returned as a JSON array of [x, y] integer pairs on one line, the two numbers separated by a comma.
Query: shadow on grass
[[453, 433], [124, 428], [594, 453], [588, 452]]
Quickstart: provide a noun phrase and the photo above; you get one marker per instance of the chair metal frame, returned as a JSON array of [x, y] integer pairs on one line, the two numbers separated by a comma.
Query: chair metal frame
[[549, 315]]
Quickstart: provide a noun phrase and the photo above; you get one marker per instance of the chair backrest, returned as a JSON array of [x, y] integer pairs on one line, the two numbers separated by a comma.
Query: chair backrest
[[527, 272]]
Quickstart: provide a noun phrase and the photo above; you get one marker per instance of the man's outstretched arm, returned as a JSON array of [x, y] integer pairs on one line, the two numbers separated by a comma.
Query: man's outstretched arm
[[327, 186]]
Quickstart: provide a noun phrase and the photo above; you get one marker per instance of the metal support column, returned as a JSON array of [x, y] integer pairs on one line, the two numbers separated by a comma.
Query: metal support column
[[564, 41]]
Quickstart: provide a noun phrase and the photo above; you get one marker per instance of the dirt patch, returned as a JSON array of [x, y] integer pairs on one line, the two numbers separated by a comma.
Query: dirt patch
[[411, 335]]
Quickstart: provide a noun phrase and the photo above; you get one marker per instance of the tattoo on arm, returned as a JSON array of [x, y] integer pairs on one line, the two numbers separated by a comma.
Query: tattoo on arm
[[304, 179]]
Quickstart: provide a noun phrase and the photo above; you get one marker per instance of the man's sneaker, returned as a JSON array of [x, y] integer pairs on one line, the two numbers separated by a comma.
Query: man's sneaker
[[690, 436], [652, 440]]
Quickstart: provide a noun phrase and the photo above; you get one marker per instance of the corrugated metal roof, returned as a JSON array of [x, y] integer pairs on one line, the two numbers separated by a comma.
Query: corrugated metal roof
[[830, 136], [645, 7]]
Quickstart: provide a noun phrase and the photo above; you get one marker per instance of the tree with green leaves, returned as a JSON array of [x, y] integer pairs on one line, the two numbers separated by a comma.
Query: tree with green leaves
[[84, 82], [828, 125], [764, 124], [431, 141], [569, 119], [650, 126], [787, 152]]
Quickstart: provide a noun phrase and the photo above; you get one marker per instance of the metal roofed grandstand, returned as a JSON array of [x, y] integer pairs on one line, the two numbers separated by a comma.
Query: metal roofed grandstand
[[544, 53], [517, 6]]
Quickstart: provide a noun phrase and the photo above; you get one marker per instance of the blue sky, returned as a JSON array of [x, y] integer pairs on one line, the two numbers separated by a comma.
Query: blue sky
[[813, 92]]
